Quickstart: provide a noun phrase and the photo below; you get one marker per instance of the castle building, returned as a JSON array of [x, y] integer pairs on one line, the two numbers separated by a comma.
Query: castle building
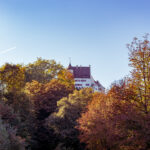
[[83, 78]]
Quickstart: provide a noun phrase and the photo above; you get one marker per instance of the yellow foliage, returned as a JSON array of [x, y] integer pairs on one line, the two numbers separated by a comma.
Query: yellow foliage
[[12, 76]]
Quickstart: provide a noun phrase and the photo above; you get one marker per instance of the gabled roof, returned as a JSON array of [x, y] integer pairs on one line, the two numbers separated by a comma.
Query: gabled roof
[[80, 72]]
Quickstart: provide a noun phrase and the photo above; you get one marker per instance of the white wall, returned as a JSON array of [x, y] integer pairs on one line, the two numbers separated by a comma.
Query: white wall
[[85, 82], [82, 82]]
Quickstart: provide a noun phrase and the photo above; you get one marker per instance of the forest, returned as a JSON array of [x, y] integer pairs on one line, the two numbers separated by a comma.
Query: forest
[[40, 109]]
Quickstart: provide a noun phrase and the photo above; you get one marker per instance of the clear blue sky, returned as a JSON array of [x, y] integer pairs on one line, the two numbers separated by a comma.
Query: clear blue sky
[[91, 32]]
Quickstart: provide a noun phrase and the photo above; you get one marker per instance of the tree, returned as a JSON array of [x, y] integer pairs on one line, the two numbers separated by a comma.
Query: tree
[[12, 77], [64, 120], [42, 70], [110, 124], [116, 120], [21, 119], [10, 122], [9, 139], [8, 115], [15, 107], [139, 58], [66, 77], [44, 99], [123, 90]]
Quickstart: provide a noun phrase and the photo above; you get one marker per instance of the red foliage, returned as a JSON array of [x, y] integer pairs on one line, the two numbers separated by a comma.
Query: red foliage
[[113, 124], [44, 97]]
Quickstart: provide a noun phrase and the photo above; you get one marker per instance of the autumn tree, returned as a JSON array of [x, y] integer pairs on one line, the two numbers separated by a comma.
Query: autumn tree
[[116, 120], [42, 70], [64, 120], [44, 99], [15, 107], [8, 115], [110, 124], [66, 77], [45, 96], [13, 134], [12, 77], [139, 58], [13, 81], [9, 140], [123, 90]]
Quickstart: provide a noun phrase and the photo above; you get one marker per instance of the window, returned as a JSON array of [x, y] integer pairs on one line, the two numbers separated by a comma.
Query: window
[[77, 80], [87, 85], [83, 80], [78, 84]]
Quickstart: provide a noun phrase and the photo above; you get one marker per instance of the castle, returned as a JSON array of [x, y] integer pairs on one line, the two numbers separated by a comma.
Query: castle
[[83, 78]]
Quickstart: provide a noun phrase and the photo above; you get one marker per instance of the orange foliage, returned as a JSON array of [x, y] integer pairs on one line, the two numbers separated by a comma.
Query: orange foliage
[[45, 96], [113, 124]]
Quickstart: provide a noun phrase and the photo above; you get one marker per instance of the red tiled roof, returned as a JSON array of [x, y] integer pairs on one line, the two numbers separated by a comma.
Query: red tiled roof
[[80, 72]]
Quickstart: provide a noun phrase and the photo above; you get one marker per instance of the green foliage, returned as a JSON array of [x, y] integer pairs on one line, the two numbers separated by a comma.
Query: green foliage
[[69, 110], [42, 70], [44, 99]]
